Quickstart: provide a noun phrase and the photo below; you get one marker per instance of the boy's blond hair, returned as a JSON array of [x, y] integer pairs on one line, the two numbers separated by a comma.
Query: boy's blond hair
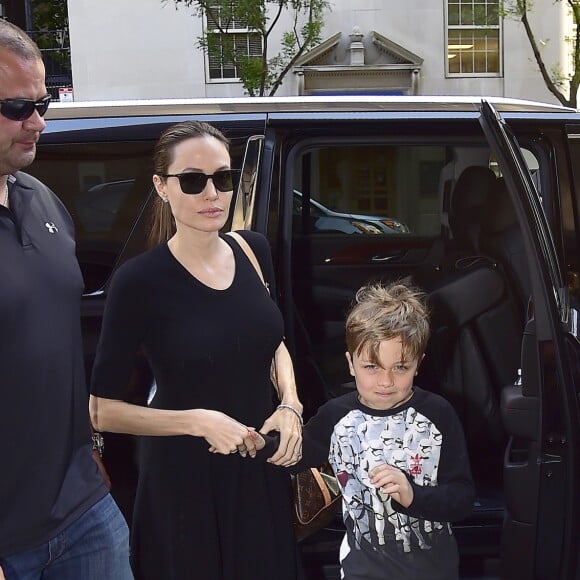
[[382, 313]]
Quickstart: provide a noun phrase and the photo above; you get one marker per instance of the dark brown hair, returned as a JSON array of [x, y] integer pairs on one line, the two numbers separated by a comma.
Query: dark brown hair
[[382, 313], [18, 42], [162, 223]]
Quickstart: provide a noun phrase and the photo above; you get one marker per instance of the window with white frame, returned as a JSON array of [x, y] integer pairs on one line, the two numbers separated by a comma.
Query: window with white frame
[[229, 41], [473, 38]]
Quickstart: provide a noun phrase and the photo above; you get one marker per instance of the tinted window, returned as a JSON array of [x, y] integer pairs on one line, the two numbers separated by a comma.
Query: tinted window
[[370, 189], [373, 210], [103, 185]]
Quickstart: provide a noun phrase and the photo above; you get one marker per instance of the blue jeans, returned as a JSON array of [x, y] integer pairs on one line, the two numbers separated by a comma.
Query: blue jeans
[[94, 547]]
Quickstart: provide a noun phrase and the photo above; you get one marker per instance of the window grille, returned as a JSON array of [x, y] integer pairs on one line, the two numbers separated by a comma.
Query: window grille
[[228, 41], [473, 38]]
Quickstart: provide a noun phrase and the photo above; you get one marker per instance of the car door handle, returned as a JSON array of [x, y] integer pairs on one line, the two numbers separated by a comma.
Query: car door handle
[[379, 258], [520, 413]]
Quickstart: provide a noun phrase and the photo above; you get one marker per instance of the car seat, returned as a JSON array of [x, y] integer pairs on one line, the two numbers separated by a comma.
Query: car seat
[[501, 237], [476, 328]]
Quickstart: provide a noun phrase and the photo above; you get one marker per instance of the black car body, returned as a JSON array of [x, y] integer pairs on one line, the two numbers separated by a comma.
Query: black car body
[[489, 193]]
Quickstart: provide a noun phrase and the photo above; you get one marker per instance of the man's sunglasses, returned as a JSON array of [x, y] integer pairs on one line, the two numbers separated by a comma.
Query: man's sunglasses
[[194, 182], [22, 109]]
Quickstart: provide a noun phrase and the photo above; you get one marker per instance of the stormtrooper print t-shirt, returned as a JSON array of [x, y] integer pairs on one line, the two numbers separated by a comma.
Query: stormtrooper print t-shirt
[[424, 439]]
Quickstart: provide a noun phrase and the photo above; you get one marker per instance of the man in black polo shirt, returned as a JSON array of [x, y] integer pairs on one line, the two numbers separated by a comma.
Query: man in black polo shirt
[[57, 519]]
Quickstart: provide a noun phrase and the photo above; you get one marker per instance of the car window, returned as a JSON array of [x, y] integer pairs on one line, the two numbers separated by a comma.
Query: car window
[[103, 185], [570, 217], [370, 189], [532, 163], [416, 211]]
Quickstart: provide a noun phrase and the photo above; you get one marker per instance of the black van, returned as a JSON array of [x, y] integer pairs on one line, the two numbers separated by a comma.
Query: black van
[[474, 200]]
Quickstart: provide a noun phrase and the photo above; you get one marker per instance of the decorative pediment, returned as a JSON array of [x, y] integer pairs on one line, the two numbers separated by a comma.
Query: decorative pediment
[[394, 51], [356, 62], [378, 50], [320, 54]]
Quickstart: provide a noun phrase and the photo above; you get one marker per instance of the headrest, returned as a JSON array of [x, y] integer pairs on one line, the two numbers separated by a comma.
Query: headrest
[[500, 214], [470, 196]]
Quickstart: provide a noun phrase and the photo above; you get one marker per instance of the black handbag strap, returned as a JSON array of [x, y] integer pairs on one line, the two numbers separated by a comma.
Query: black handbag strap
[[250, 255]]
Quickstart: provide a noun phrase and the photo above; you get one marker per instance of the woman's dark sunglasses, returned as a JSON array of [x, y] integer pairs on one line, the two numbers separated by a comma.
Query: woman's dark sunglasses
[[194, 182], [22, 109]]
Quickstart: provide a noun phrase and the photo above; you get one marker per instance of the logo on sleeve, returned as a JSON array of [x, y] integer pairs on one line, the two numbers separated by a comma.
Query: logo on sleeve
[[51, 227]]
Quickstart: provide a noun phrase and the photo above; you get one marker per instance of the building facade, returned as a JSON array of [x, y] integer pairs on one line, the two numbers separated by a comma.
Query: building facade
[[50, 33], [148, 49]]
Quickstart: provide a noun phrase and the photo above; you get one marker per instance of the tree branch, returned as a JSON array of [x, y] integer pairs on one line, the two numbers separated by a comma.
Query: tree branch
[[537, 55], [575, 79], [265, 34], [258, 73], [287, 68], [281, 4], [295, 25]]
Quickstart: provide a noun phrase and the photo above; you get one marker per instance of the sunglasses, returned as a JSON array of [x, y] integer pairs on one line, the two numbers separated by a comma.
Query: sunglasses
[[22, 109], [194, 182]]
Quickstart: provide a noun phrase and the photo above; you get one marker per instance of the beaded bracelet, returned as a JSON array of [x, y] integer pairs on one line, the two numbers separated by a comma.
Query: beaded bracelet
[[294, 410]]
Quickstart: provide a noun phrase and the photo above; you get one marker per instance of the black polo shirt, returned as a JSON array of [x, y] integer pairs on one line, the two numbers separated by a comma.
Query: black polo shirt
[[47, 475]]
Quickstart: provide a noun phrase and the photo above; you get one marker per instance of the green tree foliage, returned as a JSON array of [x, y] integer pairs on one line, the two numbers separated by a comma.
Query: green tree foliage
[[261, 73], [49, 15], [563, 87], [50, 29]]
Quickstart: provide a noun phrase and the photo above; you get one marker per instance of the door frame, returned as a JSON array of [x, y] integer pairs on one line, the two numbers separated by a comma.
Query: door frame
[[548, 526]]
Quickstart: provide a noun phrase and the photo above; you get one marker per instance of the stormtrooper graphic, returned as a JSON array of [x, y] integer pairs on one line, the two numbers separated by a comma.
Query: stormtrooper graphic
[[359, 443]]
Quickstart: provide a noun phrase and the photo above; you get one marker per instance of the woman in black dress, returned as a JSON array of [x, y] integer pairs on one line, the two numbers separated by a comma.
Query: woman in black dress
[[209, 329]]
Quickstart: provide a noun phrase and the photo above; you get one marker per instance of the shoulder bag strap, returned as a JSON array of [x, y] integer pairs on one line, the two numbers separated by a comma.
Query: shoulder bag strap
[[250, 255], [321, 485]]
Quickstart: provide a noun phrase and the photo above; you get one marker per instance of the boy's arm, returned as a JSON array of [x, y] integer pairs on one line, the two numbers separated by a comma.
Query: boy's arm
[[266, 444], [452, 499]]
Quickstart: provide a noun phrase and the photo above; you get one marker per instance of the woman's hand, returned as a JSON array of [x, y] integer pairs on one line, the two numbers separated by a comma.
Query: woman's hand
[[258, 441], [284, 419], [2, 577], [289, 426], [224, 434], [392, 481], [251, 445]]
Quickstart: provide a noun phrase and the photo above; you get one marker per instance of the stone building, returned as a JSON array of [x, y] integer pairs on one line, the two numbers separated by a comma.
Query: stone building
[[148, 49]]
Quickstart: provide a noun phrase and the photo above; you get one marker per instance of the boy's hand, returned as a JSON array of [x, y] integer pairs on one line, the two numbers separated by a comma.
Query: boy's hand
[[392, 481]]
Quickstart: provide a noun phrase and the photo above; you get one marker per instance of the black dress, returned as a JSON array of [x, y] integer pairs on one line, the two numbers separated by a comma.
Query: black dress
[[198, 514]]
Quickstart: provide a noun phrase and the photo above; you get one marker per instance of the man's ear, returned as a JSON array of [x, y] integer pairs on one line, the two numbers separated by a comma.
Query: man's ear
[[350, 365]]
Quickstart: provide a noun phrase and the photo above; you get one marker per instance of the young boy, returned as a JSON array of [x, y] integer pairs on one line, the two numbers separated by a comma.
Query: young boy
[[398, 451]]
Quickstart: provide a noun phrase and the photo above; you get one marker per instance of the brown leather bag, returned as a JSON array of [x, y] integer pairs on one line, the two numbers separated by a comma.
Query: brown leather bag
[[317, 498]]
